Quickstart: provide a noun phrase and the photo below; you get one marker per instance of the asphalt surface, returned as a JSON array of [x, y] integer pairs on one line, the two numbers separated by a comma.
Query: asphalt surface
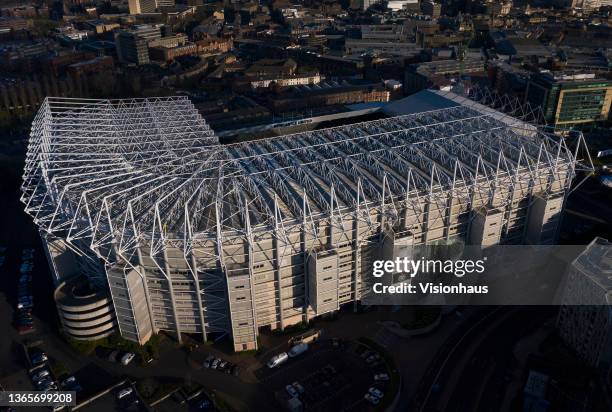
[[481, 356]]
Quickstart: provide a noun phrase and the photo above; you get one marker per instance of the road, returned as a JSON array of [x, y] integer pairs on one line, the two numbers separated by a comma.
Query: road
[[473, 373]]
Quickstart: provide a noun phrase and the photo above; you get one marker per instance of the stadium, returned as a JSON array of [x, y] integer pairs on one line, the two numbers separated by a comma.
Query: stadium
[[188, 235]]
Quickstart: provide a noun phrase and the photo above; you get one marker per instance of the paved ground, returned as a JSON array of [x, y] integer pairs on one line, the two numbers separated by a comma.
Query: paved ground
[[473, 373], [333, 378]]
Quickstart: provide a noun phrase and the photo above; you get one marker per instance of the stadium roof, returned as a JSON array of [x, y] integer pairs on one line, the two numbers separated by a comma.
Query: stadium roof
[[116, 170]]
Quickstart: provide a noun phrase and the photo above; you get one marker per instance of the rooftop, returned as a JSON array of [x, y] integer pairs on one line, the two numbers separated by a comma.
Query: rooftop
[[152, 167]]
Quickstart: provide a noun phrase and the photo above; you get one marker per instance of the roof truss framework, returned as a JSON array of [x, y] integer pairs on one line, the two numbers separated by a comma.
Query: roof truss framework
[[117, 173]]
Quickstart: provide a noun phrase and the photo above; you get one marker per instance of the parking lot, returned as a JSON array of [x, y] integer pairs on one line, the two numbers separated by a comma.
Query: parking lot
[[217, 363], [179, 401], [327, 377], [25, 349], [122, 397]]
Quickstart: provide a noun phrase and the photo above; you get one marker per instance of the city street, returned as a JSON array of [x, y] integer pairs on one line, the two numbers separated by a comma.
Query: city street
[[475, 370]]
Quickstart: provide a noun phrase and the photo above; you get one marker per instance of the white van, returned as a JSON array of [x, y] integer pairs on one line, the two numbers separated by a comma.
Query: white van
[[124, 392], [277, 360], [127, 358], [298, 349]]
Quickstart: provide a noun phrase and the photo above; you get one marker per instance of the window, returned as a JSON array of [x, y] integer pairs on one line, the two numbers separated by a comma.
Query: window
[[239, 287], [328, 300], [240, 298], [327, 267], [327, 278]]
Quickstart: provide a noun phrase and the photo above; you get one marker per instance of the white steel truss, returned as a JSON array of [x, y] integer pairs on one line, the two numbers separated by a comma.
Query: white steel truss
[[145, 183], [118, 172]]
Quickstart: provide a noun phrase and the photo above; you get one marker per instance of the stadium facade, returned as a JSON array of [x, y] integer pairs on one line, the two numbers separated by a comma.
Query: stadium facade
[[191, 236]]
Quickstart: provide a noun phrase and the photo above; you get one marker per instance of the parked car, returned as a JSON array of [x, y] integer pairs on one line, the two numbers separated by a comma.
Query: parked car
[[372, 399], [278, 360], [375, 392], [373, 358], [127, 358], [291, 391], [42, 382], [39, 358], [50, 387], [228, 367], [203, 404], [235, 370], [39, 374], [298, 350], [69, 381], [46, 383], [26, 267], [298, 387], [71, 384], [381, 377], [24, 328], [208, 361], [124, 392], [215, 363]]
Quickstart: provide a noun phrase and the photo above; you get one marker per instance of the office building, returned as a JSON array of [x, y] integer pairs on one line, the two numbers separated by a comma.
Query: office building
[[570, 99], [149, 6], [133, 45], [142, 6], [192, 236], [131, 48], [585, 319]]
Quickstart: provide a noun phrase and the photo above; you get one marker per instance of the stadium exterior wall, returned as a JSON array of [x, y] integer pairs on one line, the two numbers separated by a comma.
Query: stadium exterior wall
[[229, 281]]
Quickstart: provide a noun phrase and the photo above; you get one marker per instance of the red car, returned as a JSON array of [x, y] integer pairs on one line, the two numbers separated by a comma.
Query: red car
[[25, 328]]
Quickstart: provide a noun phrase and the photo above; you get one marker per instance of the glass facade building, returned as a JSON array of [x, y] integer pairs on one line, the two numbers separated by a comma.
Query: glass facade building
[[569, 100]]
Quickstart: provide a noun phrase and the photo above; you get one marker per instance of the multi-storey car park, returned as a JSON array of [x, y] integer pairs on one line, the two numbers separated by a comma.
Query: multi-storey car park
[[192, 236]]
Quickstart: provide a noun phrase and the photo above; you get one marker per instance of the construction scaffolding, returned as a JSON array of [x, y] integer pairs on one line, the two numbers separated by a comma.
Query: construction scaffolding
[[199, 237]]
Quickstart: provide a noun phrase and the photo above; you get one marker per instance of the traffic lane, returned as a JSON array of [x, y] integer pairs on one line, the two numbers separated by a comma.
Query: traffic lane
[[488, 364], [309, 359], [494, 388], [481, 317]]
